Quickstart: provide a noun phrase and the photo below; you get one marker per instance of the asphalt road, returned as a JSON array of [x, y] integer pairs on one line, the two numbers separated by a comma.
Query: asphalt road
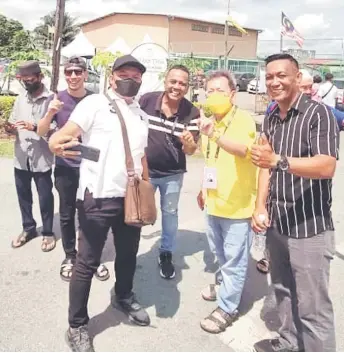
[[34, 301]]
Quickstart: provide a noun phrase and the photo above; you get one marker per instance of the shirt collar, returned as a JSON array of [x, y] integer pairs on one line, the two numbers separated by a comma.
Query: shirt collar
[[113, 95], [226, 120], [301, 103], [159, 103]]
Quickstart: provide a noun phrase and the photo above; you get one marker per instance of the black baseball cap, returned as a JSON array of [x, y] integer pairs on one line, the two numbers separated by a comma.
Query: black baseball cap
[[29, 68], [128, 60], [75, 62]]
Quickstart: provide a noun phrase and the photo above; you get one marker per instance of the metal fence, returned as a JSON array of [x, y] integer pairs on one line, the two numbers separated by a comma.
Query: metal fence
[[217, 63], [318, 55]]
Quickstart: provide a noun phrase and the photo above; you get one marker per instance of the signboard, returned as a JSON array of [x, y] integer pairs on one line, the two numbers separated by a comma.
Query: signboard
[[301, 53], [154, 57]]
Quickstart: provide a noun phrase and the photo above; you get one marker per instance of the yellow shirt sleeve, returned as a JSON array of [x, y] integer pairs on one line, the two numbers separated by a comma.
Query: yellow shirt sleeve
[[246, 134]]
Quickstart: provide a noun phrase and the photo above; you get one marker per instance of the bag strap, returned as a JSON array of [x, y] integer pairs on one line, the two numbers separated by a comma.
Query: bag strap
[[327, 92], [129, 162]]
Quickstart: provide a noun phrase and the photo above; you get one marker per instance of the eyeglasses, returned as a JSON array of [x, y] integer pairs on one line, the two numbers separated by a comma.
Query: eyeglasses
[[77, 72]]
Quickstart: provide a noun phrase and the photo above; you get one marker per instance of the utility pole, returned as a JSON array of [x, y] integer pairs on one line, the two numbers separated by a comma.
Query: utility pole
[[59, 19], [226, 36]]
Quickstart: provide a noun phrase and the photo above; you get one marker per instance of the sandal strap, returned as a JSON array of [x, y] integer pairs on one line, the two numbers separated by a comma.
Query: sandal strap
[[68, 261], [49, 237], [227, 317], [102, 268], [220, 324], [66, 268], [212, 290]]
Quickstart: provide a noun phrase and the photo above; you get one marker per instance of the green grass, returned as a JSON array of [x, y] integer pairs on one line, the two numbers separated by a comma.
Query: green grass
[[6, 148]]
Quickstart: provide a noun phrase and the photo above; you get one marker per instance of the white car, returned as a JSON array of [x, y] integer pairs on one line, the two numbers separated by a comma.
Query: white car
[[339, 83], [253, 86]]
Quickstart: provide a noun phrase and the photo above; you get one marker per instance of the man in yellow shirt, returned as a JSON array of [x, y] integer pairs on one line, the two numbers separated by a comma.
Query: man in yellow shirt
[[229, 193]]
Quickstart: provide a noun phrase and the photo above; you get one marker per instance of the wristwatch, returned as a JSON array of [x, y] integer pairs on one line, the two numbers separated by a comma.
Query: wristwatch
[[283, 164], [215, 136], [34, 127]]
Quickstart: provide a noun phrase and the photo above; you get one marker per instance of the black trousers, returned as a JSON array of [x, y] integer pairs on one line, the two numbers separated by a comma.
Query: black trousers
[[300, 270], [44, 185], [96, 217], [66, 184]]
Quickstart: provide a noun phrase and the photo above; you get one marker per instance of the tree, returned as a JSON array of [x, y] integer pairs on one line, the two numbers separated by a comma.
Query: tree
[[17, 59], [193, 64], [101, 62], [9, 28], [22, 42], [43, 31]]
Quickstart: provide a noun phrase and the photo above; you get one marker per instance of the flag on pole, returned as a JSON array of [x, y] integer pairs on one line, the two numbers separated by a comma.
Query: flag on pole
[[236, 25], [289, 30]]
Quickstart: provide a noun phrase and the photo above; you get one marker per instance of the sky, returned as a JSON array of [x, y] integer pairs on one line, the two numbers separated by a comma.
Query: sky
[[314, 19]]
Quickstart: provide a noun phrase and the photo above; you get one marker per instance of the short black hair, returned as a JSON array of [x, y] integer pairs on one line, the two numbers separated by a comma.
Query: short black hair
[[179, 67], [281, 56], [328, 76], [317, 79]]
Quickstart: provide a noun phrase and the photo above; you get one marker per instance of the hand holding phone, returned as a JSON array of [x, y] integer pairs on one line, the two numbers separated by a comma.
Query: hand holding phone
[[87, 152]]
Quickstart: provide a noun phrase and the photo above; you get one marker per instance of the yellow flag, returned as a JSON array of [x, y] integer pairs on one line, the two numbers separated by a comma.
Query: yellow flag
[[233, 23]]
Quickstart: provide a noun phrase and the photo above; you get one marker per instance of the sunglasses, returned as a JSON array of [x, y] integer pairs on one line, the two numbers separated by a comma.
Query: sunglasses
[[77, 72]]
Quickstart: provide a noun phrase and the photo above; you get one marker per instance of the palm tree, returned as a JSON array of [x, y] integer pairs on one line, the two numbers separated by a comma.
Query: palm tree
[[43, 31]]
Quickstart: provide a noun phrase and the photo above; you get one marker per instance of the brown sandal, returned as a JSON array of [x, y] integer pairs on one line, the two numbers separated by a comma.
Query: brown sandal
[[48, 243], [218, 321], [23, 238]]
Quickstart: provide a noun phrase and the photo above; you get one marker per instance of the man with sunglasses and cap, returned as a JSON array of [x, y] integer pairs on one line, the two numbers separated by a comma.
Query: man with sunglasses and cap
[[32, 157], [59, 108], [101, 194]]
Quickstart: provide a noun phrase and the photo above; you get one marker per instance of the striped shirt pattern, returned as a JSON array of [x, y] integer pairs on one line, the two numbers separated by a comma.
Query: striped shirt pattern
[[165, 155], [301, 207], [171, 126]]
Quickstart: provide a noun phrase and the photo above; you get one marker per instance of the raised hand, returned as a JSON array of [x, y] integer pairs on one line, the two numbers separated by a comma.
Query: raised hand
[[55, 105]]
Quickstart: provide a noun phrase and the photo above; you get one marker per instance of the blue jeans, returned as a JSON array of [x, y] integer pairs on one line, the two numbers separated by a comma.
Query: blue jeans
[[230, 239], [169, 188]]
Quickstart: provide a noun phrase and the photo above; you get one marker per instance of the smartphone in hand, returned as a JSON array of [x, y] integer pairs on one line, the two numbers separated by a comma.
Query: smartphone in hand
[[87, 152]]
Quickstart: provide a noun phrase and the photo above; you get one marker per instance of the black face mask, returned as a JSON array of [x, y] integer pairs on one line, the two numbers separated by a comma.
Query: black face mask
[[32, 87], [127, 88]]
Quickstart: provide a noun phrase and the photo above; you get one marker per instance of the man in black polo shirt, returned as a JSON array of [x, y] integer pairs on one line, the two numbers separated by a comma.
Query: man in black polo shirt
[[172, 134], [297, 155]]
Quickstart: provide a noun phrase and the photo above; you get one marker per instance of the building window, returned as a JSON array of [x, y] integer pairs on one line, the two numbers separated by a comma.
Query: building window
[[232, 31], [200, 28], [218, 30]]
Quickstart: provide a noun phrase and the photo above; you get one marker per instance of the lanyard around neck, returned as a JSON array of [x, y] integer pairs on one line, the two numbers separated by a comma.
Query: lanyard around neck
[[218, 147]]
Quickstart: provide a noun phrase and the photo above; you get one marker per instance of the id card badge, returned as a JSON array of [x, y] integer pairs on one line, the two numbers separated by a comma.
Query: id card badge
[[210, 178]]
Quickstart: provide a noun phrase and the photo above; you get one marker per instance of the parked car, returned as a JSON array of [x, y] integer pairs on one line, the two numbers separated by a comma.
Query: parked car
[[253, 86], [242, 80], [339, 83]]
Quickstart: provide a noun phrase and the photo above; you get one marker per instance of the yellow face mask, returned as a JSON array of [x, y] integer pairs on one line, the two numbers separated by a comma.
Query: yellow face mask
[[218, 103]]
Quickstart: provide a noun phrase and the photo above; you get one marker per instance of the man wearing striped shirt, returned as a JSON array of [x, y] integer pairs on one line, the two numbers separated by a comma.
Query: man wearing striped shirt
[[297, 155], [172, 134]]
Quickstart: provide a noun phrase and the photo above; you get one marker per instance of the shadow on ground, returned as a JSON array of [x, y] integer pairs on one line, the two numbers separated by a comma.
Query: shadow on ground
[[256, 287], [150, 289]]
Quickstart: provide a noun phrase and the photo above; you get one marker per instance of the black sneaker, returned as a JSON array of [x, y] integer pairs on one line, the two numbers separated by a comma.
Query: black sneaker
[[79, 340], [131, 307], [272, 345], [166, 266]]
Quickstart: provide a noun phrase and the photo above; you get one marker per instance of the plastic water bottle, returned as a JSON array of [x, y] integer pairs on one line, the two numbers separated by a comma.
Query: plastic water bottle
[[260, 238]]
